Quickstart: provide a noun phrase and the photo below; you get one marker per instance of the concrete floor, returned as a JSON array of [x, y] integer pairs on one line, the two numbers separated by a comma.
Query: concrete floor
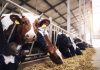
[[96, 56]]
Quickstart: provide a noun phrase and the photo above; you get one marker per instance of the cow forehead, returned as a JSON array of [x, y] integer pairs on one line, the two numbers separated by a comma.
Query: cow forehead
[[30, 17]]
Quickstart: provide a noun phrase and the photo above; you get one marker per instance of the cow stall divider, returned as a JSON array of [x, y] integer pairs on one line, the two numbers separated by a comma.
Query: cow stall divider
[[53, 29]]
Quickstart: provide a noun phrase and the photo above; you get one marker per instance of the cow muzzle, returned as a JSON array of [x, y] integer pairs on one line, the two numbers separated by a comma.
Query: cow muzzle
[[30, 39]]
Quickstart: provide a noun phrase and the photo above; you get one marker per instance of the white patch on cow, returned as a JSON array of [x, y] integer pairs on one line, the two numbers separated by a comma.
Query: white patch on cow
[[6, 21], [67, 35], [43, 31], [31, 32], [59, 53], [74, 45], [59, 33], [19, 47], [9, 59]]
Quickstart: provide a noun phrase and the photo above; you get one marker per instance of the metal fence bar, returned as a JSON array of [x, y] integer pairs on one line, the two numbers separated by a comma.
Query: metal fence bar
[[3, 9], [20, 6]]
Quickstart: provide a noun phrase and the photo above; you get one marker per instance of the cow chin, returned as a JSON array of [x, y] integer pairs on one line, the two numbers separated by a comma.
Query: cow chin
[[29, 40]]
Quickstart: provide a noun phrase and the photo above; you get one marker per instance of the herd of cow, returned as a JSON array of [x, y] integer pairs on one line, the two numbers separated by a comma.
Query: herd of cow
[[13, 40]]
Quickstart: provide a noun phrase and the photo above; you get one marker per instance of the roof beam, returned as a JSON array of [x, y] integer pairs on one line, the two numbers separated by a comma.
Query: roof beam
[[55, 9], [59, 16], [54, 6]]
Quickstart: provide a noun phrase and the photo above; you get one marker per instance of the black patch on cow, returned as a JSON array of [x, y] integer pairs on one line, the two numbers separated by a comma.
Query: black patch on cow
[[63, 44]]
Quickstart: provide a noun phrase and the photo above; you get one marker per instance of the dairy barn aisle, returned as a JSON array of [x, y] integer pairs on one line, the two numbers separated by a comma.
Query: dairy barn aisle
[[60, 39]]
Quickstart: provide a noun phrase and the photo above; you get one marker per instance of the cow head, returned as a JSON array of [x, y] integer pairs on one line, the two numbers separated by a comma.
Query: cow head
[[28, 30], [24, 28]]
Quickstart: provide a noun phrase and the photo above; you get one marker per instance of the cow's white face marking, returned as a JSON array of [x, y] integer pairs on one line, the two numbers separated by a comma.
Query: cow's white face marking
[[31, 33]]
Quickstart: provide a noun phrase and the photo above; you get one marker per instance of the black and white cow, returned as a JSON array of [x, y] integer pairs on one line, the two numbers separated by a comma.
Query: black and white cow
[[23, 31], [66, 46], [81, 44], [8, 58]]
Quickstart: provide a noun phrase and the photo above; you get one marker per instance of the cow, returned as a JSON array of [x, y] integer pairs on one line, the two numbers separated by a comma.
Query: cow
[[8, 58], [81, 44], [23, 34], [23, 26], [62, 44], [45, 43], [65, 45], [20, 28]]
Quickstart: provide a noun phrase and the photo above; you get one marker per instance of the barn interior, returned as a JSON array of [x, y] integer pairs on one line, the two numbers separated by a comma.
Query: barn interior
[[77, 18]]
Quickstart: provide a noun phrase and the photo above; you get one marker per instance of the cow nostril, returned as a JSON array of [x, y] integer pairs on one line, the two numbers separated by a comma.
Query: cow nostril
[[33, 37], [27, 36]]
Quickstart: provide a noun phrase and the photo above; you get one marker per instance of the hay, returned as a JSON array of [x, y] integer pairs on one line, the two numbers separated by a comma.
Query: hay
[[81, 62]]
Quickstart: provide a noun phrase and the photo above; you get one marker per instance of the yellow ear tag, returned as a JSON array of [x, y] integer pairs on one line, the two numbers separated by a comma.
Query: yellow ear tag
[[43, 26], [48, 54], [17, 22]]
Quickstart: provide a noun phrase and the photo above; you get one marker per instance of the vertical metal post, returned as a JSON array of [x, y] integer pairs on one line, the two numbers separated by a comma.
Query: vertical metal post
[[91, 22], [80, 20], [68, 16], [4, 8], [54, 34], [90, 28], [84, 9], [50, 32]]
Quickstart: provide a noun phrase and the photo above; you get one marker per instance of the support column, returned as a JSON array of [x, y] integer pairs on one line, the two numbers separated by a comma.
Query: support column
[[68, 16], [91, 22], [84, 10], [80, 19]]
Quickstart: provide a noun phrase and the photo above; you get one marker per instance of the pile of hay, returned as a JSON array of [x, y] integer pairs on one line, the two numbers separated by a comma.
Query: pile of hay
[[81, 62]]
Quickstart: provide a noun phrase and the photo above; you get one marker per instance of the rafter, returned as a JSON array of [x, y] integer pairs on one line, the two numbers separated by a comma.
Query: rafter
[[55, 9], [54, 6]]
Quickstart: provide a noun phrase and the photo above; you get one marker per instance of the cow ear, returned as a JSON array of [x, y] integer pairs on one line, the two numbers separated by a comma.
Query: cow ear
[[2, 17]]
